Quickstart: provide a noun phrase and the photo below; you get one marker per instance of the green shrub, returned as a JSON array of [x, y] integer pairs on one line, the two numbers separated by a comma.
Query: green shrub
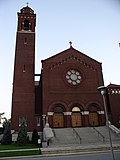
[[7, 136], [22, 134], [35, 137]]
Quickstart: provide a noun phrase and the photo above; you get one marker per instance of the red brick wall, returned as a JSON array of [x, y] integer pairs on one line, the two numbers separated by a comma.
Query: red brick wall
[[57, 90], [23, 97], [114, 97]]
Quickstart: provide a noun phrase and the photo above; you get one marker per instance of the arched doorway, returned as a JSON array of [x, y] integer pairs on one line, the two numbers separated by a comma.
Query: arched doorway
[[76, 117], [93, 115], [93, 119], [58, 120], [58, 117]]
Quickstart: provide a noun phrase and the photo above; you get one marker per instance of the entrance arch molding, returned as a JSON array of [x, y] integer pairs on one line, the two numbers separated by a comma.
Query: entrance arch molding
[[95, 104], [76, 110], [94, 119], [61, 104], [58, 109], [76, 104]]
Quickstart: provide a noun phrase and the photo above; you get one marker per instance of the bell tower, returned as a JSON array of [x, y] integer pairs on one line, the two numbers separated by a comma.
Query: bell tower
[[23, 96]]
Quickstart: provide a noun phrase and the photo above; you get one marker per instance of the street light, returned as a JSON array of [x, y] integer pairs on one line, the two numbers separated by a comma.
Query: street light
[[43, 120], [103, 91], [44, 116]]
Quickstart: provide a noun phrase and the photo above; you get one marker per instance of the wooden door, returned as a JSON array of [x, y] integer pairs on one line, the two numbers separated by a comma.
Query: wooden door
[[93, 119], [58, 120], [76, 120]]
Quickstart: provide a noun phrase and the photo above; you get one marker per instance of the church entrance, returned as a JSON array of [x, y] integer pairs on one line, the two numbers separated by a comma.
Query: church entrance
[[93, 119], [58, 116], [76, 117], [58, 120]]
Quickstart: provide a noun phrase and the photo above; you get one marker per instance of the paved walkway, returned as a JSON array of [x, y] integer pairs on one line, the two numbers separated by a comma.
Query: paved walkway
[[80, 149], [74, 150], [71, 150]]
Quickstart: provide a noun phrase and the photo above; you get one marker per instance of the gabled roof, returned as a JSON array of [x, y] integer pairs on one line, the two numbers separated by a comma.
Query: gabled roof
[[70, 52], [113, 86]]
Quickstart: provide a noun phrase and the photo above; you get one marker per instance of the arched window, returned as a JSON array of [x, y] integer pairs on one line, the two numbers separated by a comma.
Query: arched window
[[93, 107], [58, 109], [76, 109], [26, 25]]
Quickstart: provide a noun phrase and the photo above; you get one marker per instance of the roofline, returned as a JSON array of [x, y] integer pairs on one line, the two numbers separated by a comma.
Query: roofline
[[67, 50]]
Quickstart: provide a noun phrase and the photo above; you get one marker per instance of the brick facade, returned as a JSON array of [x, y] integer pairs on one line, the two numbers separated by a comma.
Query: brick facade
[[65, 96], [59, 93], [23, 98], [114, 98]]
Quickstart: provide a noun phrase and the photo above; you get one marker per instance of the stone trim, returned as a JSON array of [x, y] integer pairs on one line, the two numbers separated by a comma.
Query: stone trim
[[85, 113], [50, 113], [100, 112], [69, 113]]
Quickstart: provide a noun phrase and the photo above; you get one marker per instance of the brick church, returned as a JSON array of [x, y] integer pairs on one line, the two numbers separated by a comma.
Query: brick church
[[66, 94]]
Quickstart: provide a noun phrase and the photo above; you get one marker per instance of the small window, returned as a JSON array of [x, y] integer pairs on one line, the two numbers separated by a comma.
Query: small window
[[30, 24], [113, 92], [21, 120], [26, 25], [38, 121]]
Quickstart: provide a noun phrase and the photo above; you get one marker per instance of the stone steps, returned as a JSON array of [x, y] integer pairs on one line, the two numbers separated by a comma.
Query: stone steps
[[64, 137], [68, 137], [104, 131]]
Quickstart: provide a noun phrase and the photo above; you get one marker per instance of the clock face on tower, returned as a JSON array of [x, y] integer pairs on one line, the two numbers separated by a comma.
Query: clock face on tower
[[73, 77]]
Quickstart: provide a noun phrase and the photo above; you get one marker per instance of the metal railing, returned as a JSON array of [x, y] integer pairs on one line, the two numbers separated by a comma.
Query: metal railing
[[99, 134], [77, 135], [114, 129], [54, 133]]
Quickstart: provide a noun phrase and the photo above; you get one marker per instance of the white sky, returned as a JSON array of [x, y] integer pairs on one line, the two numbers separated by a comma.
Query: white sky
[[92, 25]]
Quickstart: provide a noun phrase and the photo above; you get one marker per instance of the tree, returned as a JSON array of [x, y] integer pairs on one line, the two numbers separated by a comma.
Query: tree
[[22, 134], [7, 136], [35, 137]]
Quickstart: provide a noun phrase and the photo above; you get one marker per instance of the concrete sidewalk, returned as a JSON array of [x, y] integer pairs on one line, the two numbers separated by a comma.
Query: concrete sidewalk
[[69, 150], [78, 149]]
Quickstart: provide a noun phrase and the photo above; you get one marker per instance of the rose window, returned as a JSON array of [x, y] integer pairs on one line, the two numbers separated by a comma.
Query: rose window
[[73, 77]]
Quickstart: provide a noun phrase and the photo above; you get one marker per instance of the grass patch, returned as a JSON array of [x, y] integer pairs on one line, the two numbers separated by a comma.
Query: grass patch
[[15, 150], [15, 146], [19, 153]]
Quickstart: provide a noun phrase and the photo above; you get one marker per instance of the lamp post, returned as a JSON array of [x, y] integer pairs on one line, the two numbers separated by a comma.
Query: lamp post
[[103, 90], [43, 120], [44, 116]]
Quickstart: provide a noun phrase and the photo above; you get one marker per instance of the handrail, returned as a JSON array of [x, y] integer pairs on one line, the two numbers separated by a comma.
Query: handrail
[[54, 133], [103, 138], [77, 135], [114, 129]]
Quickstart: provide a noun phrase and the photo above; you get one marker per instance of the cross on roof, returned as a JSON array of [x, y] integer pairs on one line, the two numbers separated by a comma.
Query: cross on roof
[[27, 4], [70, 44]]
